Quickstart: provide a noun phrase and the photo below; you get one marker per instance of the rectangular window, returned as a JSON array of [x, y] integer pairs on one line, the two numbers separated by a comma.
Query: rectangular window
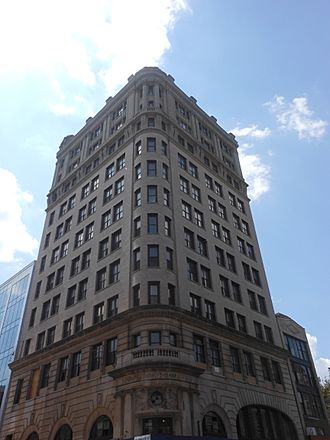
[[199, 218], [166, 197], [50, 335], [184, 185], [153, 292], [98, 314], [111, 351], [215, 229], [82, 289], [269, 334], [86, 259], [164, 148], [96, 356], [210, 310], [44, 376], [152, 194], [231, 263], [106, 220], [277, 374], [137, 226], [252, 300], [167, 227], [89, 233], [235, 360], [101, 279], [63, 369], [171, 294], [110, 171], [262, 305], [245, 228], [193, 170], [55, 305], [248, 363], [241, 321], [59, 276], [70, 298], [258, 330], [198, 347], [206, 277], [138, 171], [189, 238], [32, 317], [164, 171], [151, 141], [186, 210], [75, 365], [152, 223], [218, 189], [67, 328], [214, 353], [137, 197], [250, 251], [112, 306], [116, 240], [195, 193], [79, 322], [136, 295], [182, 162], [121, 162], [192, 270], [236, 291], [255, 277], [119, 186], [226, 236], [230, 318], [136, 259], [18, 391], [169, 258], [212, 205], [151, 168], [45, 310], [107, 194], [208, 182], [195, 304], [155, 338], [114, 271], [224, 286], [118, 212], [265, 369], [84, 191]]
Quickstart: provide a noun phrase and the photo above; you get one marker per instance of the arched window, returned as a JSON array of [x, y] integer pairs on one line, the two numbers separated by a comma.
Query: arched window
[[261, 422], [64, 433], [33, 436], [102, 429], [212, 424]]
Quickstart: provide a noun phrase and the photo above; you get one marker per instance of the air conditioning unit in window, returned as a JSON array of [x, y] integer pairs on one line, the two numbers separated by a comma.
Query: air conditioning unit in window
[[216, 369]]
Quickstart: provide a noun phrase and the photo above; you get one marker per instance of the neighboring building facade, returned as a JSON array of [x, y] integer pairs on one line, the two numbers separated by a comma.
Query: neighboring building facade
[[13, 295], [310, 402], [149, 309]]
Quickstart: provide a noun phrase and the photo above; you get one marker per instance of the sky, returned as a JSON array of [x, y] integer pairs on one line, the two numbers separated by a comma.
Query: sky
[[262, 68]]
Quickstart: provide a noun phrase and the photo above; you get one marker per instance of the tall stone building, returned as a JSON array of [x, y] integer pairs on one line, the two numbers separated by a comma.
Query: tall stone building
[[149, 310]]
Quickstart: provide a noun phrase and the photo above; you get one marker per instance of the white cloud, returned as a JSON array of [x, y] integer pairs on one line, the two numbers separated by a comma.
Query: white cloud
[[252, 131], [322, 364], [296, 116], [106, 40], [14, 236], [255, 172]]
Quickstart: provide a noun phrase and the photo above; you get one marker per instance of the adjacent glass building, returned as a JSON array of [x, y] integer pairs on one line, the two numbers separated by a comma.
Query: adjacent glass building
[[13, 294]]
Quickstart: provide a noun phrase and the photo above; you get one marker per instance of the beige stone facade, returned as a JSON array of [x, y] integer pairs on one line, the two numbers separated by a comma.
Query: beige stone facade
[[149, 310]]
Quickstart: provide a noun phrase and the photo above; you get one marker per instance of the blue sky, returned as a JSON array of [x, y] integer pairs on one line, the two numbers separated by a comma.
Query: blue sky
[[262, 68]]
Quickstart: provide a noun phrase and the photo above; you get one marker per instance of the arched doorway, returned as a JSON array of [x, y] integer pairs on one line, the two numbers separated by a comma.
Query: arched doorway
[[264, 423], [64, 433], [213, 425], [33, 436], [102, 429]]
